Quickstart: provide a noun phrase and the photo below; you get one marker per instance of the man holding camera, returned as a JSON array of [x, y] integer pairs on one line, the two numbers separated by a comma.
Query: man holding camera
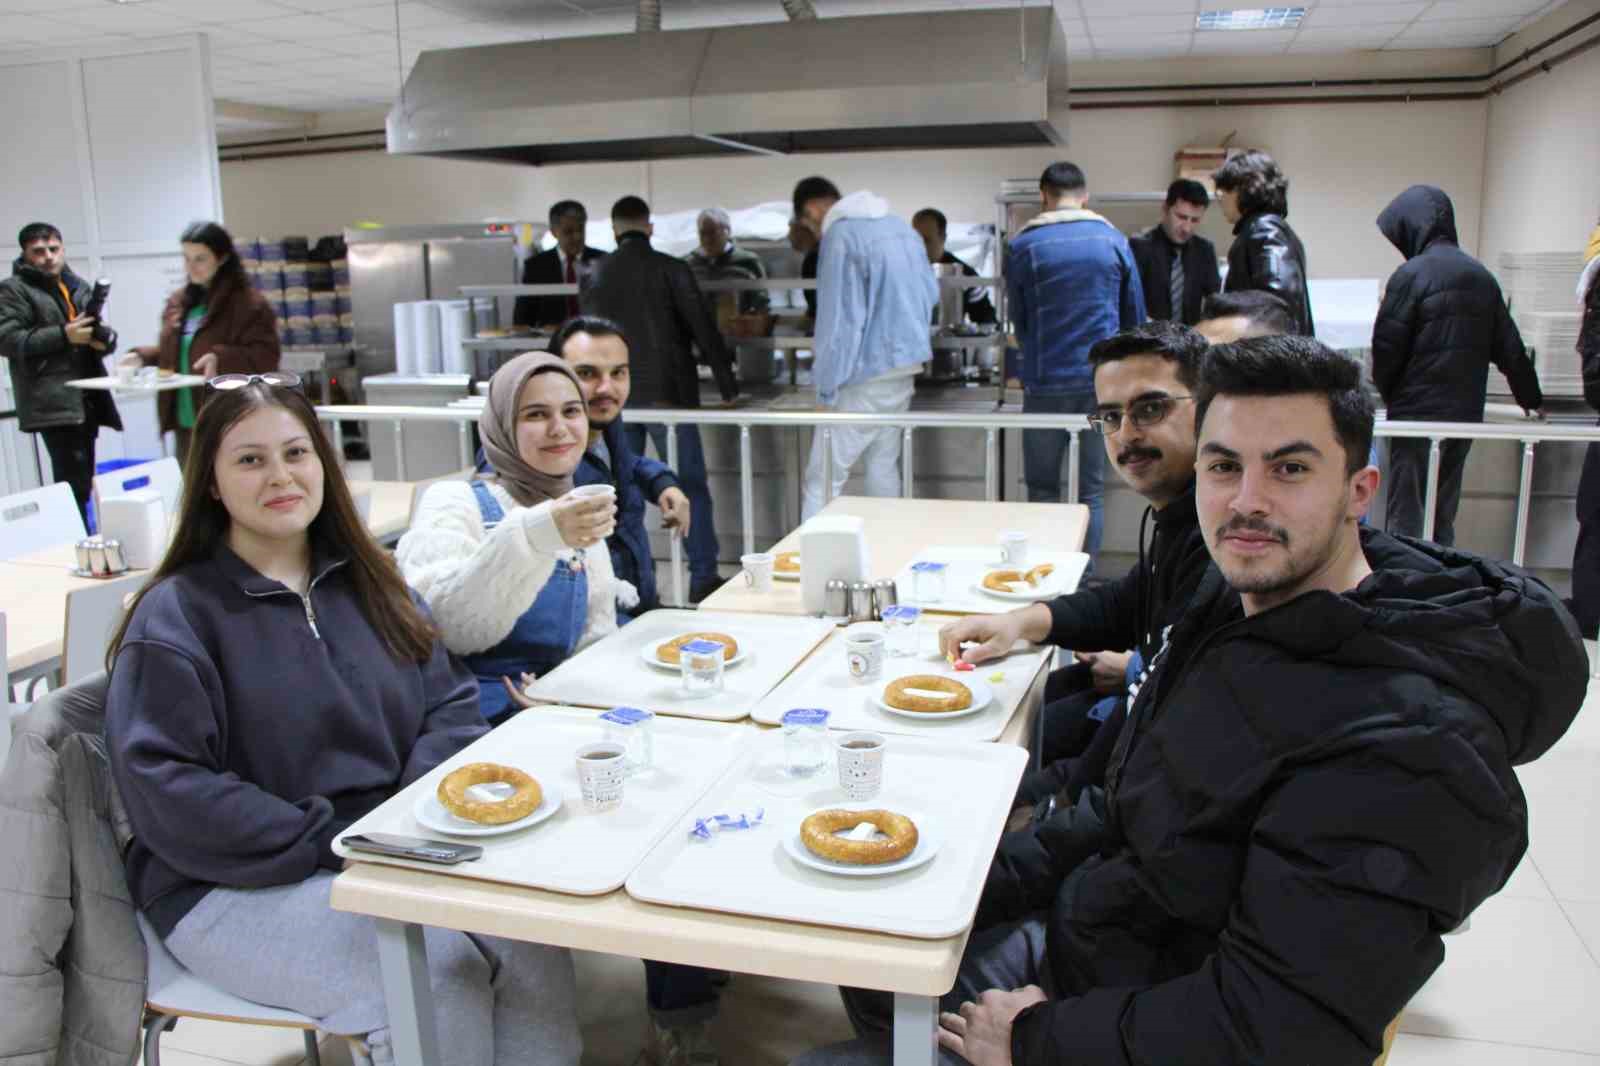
[[50, 339]]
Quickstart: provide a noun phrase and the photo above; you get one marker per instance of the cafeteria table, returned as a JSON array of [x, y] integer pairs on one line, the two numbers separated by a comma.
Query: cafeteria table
[[898, 529]]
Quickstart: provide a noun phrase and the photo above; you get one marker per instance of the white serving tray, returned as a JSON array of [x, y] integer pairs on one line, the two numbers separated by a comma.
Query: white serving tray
[[175, 381], [610, 673], [822, 681], [967, 565], [575, 851], [969, 788]]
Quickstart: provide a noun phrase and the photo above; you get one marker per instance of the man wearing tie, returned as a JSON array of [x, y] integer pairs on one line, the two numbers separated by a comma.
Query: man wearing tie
[[567, 263], [1177, 268]]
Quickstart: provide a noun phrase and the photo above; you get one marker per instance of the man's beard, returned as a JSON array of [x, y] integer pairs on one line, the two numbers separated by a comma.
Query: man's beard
[[1294, 568]]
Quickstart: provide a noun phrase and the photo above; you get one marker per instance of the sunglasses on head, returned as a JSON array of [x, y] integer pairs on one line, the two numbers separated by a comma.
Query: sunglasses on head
[[278, 379]]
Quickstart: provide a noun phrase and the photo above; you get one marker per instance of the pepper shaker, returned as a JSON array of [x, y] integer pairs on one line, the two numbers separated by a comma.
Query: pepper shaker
[[835, 599], [860, 601], [884, 596]]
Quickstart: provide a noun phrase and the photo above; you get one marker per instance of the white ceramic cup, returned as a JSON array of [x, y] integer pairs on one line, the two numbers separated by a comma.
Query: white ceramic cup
[[1014, 547], [860, 764], [594, 490], [758, 570], [602, 771], [126, 374], [864, 650]]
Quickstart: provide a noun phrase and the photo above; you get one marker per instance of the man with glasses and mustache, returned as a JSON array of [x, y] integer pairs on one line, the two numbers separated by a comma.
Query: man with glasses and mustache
[[1314, 784], [1144, 408]]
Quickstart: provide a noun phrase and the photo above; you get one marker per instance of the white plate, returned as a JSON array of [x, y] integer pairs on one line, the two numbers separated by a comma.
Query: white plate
[[783, 575], [982, 694], [1048, 589], [929, 840], [431, 814], [648, 654]]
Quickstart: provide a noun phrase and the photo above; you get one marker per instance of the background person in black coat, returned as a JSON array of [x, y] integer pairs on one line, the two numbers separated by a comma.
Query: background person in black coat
[[657, 302], [932, 226], [1172, 243], [569, 262], [1266, 253], [1442, 322]]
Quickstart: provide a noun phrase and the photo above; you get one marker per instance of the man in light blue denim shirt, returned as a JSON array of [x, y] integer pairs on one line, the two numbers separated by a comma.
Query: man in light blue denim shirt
[[875, 298], [1072, 281]]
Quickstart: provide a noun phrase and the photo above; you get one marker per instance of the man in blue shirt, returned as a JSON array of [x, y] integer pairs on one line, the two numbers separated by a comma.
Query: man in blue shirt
[[598, 353], [875, 298], [1072, 281]]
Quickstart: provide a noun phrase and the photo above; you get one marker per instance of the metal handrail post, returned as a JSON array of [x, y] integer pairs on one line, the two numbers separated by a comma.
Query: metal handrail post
[[1430, 499], [991, 464], [1074, 452], [827, 464], [464, 438], [1519, 541], [908, 477], [675, 542], [747, 488], [399, 450]]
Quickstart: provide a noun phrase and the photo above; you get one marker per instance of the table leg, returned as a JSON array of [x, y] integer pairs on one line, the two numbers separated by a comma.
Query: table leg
[[403, 958], [916, 1025]]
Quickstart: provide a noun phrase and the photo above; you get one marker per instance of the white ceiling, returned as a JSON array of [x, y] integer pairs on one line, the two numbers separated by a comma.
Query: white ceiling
[[335, 55]]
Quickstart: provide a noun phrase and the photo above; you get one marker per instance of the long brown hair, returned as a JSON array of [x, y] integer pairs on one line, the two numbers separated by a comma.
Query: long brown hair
[[203, 522]]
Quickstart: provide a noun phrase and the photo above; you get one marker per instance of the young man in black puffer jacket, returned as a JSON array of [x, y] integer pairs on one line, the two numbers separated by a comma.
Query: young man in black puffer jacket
[[1315, 783]]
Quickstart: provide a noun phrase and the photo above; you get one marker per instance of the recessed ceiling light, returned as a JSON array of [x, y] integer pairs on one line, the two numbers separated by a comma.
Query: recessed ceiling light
[[1251, 18]]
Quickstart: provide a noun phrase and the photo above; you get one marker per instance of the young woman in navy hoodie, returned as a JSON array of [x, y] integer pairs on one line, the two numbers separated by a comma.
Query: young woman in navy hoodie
[[275, 681]]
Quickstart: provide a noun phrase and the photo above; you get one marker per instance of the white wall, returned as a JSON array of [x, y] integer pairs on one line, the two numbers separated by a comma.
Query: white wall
[[1543, 168], [1345, 162]]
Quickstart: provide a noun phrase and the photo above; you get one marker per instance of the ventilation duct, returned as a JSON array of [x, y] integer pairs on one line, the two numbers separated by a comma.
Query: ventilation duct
[[952, 79]]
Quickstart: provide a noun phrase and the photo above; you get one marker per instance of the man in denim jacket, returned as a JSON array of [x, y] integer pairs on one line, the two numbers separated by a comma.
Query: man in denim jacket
[[1072, 281], [875, 298]]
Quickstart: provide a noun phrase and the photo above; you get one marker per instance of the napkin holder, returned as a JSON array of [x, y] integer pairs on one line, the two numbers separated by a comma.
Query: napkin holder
[[832, 546], [137, 519]]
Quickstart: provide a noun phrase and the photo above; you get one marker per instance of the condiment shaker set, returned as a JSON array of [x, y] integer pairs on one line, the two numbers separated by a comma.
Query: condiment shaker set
[[859, 601], [100, 557]]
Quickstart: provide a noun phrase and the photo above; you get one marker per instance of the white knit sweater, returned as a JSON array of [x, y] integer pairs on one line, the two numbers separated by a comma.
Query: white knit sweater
[[479, 582]]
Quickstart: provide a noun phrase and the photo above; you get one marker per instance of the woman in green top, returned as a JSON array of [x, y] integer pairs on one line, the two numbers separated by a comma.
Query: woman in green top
[[216, 324]]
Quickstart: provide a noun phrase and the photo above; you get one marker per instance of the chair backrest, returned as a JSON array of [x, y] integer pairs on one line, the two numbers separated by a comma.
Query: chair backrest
[[93, 614], [38, 518], [163, 475], [172, 989]]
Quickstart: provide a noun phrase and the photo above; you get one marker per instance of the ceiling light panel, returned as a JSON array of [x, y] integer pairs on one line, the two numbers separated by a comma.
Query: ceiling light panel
[[1251, 18]]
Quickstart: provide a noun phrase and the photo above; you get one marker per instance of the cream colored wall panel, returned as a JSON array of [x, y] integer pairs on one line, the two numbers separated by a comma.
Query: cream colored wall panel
[[39, 168]]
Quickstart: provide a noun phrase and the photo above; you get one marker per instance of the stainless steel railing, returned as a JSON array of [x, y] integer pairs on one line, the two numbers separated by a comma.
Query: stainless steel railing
[[1530, 434]]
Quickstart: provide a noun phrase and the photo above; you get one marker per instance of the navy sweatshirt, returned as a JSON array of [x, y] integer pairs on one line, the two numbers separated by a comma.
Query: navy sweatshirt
[[244, 736]]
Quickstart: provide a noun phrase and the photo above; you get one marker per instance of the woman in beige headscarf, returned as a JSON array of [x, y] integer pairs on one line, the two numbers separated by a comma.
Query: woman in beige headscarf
[[514, 566]]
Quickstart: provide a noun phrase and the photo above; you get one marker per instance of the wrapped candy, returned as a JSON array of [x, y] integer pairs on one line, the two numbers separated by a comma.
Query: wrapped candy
[[723, 823]]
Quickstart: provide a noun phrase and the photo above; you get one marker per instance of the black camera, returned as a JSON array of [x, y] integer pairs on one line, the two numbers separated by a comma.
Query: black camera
[[96, 308]]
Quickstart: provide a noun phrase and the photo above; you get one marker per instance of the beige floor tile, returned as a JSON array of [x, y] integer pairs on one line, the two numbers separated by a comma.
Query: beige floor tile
[[1520, 975], [1586, 917], [1527, 882], [1410, 1050], [1563, 790]]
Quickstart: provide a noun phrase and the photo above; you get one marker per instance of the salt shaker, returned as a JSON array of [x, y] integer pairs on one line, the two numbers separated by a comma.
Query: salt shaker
[[836, 599], [884, 596], [860, 601]]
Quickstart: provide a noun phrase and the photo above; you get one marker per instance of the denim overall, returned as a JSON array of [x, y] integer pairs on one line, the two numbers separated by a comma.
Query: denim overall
[[544, 635]]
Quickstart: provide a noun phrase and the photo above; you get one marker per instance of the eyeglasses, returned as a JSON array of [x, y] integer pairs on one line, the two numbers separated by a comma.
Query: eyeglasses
[[278, 379], [1150, 411]]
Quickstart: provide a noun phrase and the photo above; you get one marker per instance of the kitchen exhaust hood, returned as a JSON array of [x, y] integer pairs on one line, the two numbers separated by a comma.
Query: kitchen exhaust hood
[[950, 79]]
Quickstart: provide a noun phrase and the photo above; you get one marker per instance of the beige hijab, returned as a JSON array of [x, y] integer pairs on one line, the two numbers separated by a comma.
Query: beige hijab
[[498, 427]]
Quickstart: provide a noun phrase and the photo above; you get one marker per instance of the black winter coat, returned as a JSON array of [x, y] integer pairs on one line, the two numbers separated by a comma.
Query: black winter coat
[[1442, 322], [1303, 801], [1152, 251], [1266, 254], [33, 336], [656, 300]]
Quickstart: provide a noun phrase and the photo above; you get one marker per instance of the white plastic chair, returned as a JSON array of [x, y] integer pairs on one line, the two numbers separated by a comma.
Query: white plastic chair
[[38, 518], [172, 992], [163, 475], [93, 614]]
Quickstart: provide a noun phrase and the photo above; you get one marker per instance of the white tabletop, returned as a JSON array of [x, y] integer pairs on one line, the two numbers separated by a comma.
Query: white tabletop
[[750, 872], [965, 566], [823, 681], [131, 388], [612, 671], [898, 529], [574, 851]]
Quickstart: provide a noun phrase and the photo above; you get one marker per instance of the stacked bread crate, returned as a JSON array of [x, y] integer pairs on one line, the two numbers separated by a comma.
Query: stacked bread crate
[[308, 286], [1539, 286]]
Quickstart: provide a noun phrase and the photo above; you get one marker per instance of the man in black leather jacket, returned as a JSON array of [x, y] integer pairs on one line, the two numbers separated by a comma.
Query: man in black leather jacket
[[657, 302], [1266, 253]]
